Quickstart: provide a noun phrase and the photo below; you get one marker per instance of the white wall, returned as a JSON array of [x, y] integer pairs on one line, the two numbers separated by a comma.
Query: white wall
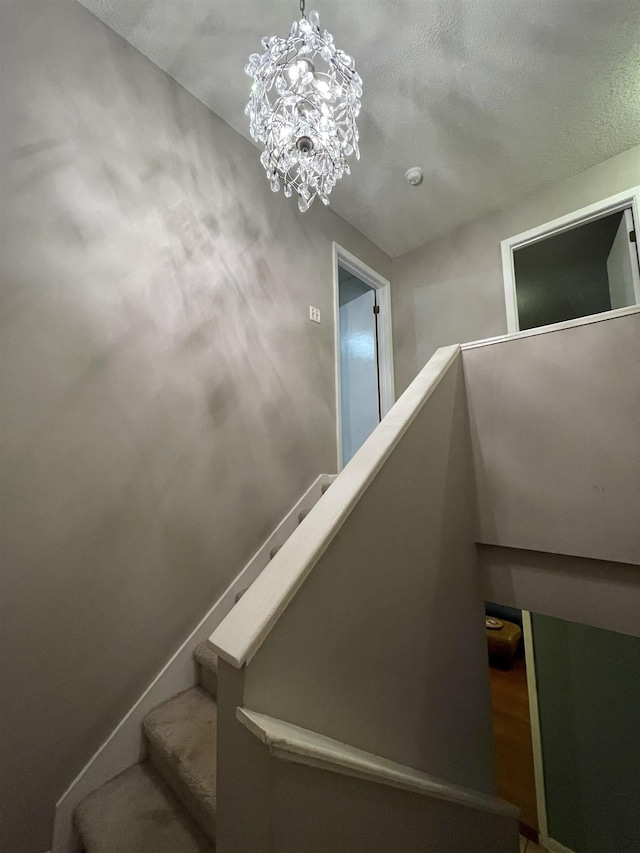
[[451, 289], [555, 427], [165, 399]]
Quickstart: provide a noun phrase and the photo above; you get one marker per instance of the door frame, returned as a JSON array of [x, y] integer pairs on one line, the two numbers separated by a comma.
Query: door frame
[[536, 734], [382, 286], [613, 204]]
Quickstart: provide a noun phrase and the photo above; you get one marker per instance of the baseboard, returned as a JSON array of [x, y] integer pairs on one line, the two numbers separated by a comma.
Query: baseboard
[[555, 847], [125, 745]]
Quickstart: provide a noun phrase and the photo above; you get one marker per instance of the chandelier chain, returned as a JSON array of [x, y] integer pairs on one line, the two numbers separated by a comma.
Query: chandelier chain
[[302, 8]]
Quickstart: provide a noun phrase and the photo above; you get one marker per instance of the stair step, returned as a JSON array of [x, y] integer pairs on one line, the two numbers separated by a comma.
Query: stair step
[[182, 747], [325, 486], [136, 813], [274, 551], [302, 515], [207, 661]]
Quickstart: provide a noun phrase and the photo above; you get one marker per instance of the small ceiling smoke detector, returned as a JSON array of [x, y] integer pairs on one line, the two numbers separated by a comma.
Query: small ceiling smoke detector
[[414, 175]]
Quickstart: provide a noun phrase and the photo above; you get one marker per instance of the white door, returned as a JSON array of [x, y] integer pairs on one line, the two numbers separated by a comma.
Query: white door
[[359, 387], [622, 265]]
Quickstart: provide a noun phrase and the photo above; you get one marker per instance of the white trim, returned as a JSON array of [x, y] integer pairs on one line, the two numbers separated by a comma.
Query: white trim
[[301, 746], [629, 198], [554, 846], [554, 327], [239, 637], [336, 356], [635, 267], [382, 286], [125, 745], [536, 736]]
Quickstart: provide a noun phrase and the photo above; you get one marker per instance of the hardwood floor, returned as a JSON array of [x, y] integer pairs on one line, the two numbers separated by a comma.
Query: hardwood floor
[[512, 731]]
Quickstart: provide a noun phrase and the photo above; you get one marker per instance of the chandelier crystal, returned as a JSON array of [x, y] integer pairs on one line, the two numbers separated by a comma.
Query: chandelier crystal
[[303, 107]]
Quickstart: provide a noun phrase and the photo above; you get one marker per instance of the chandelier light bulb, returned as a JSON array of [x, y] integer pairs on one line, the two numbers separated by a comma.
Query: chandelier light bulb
[[300, 72], [303, 106]]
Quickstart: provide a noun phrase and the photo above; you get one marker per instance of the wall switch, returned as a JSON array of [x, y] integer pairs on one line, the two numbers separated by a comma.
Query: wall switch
[[314, 314]]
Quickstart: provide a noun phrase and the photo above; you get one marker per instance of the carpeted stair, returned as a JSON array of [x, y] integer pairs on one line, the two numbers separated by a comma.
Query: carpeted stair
[[168, 803], [136, 811]]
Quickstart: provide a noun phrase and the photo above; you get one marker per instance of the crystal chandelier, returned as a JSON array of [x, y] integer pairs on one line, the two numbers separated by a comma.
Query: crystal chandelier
[[303, 107]]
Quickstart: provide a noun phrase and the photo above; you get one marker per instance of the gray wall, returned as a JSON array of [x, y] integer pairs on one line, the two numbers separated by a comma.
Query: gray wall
[[317, 811], [451, 290], [365, 652], [565, 276], [267, 805], [588, 683], [554, 425], [601, 593], [164, 397]]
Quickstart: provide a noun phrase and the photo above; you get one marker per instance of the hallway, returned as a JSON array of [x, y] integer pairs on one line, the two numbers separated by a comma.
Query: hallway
[[512, 731]]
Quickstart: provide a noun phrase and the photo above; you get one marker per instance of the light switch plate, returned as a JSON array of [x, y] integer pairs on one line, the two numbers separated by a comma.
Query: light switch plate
[[314, 314]]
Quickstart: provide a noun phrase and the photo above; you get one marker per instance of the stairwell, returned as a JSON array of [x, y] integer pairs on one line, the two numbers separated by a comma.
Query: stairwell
[[348, 719], [166, 804], [230, 766]]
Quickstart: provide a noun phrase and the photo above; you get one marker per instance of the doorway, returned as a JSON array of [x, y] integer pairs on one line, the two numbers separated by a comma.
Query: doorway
[[583, 264], [566, 705], [511, 672], [364, 358]]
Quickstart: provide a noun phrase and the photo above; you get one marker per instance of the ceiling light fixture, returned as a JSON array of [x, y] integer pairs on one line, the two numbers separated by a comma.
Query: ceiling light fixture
[[303, 107]]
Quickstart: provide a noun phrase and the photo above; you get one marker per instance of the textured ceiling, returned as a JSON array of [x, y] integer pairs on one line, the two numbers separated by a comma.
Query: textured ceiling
[[493, 98]]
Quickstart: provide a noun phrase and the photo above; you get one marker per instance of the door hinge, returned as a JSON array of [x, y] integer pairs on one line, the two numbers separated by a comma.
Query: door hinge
[[632, 236], [376, 309]]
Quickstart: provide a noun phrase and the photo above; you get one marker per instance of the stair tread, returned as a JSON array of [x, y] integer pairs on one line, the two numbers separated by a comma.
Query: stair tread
[[136, 813], [206, 656], [182, 733]]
